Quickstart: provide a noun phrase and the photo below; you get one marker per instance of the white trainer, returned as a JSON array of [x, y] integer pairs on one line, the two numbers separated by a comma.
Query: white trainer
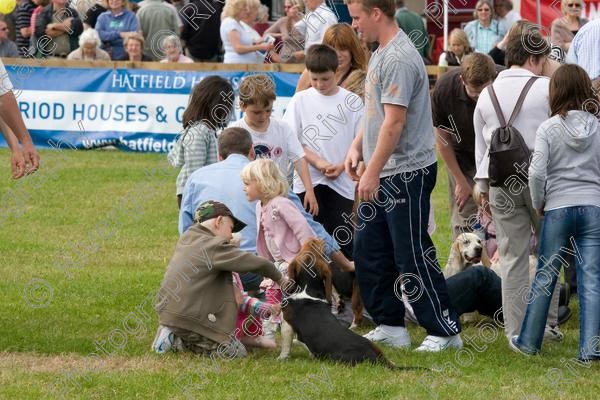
[[163, 341], [397, 336], [439, 343]]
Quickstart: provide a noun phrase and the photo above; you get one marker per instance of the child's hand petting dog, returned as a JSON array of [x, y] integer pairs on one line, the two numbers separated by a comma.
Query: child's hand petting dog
[[275, 309], [236, 239]]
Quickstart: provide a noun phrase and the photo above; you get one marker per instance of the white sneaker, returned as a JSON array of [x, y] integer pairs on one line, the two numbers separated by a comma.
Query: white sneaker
[[553, 333], [164, 340], [439, 343], [397, 336]]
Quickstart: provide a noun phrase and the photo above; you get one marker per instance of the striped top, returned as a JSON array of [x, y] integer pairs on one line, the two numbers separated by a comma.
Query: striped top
[[585, 51], [23, 20]]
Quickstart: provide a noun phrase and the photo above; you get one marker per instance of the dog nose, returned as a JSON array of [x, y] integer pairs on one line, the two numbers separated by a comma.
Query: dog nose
[[478, 251]]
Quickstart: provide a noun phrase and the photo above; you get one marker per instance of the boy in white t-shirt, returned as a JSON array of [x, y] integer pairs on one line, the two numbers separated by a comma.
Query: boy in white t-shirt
[[273, 138], [326, 119]]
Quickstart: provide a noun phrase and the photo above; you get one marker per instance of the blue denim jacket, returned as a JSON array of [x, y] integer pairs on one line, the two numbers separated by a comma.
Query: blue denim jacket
[[222, 182]]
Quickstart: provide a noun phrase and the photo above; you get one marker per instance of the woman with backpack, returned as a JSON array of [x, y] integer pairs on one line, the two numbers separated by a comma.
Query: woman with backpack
[[563, 178], [504, 181]]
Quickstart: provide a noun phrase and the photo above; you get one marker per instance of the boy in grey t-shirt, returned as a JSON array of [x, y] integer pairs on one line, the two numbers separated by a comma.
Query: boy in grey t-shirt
[[397, 145]]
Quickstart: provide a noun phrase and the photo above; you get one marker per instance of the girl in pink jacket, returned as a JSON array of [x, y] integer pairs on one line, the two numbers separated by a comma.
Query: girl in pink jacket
[[282, 229]]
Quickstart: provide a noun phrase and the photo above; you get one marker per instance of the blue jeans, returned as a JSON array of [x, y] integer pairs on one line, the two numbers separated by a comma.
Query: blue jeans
[[566, 231], [394, 254]]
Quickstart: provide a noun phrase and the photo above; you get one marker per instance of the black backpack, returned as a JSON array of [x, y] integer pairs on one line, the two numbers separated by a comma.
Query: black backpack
[[507, 147]]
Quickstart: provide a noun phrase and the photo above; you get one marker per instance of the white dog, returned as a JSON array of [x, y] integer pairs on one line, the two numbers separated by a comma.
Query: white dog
[[466, 250]]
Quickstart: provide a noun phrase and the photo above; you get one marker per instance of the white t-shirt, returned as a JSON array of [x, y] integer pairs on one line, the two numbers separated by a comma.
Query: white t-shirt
[[5, 83], [326, 125], [247, 37], [314, 24], [278, 143]]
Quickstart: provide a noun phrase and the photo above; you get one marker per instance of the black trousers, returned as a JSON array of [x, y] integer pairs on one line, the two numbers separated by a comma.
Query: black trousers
[[332, 207]]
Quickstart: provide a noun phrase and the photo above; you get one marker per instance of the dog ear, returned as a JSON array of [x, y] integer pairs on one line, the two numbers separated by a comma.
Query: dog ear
[[485, 259], [326, 274], [455, 260], [293, 268]]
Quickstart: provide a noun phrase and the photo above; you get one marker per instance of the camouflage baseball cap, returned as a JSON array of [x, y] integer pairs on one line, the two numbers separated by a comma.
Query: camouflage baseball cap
[[212, 209]]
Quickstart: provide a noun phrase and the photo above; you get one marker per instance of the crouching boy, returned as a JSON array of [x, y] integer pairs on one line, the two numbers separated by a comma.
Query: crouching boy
[[196, 303]]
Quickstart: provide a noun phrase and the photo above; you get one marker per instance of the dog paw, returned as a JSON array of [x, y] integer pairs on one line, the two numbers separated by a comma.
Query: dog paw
[[283, 357]]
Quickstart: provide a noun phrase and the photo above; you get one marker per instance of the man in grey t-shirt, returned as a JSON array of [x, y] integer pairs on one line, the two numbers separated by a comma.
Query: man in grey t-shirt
[[394, 255]]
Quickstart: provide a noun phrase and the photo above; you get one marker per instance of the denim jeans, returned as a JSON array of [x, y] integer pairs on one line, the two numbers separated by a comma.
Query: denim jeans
[[575, 231], [394, 254]]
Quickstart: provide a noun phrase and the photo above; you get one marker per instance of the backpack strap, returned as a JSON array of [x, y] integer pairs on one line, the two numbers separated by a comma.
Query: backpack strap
[[517, 108], [521, 99], [496, 105]]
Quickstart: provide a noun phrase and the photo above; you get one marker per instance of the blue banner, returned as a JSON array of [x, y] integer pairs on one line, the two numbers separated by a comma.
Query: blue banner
[[131, 109]]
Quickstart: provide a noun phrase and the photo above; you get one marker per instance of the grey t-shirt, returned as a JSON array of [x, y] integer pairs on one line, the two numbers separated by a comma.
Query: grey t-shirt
[[397, 75]]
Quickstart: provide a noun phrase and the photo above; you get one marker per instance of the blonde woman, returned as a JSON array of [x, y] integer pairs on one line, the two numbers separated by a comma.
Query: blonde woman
[[563, 29], [294, 11], [242, 44], [458, 48]]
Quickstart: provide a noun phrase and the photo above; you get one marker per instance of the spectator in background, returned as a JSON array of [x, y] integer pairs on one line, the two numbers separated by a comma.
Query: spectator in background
[[134, 45], [585, 51], [484, 32], [458, 48], [8, 48], [240, 41], [157, 20], [288, 40], [314, 24], [412, 24], [171, 46], [262, 20], [564, 29], [92, 14], [505, 13], [40, 4], [202, 38], [89, 48], [352, 60], [114, 26], [61, 23], [24, 30]]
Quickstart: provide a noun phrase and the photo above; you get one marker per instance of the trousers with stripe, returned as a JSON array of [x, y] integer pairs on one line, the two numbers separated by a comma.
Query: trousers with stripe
[[395, 257]]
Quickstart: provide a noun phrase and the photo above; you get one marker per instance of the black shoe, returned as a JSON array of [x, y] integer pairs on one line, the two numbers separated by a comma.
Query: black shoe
[[564, 313], [565, 295]]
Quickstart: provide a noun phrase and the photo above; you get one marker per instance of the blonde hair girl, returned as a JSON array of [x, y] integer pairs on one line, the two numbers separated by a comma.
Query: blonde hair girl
[[281, 227]]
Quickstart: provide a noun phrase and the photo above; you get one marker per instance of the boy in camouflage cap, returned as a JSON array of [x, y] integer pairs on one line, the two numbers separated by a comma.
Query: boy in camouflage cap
[[196, 303]]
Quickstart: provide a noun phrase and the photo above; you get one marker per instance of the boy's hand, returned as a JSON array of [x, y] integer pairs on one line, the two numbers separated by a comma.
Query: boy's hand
[[333, 171], [322, 165], [351, 163], [310, 202]]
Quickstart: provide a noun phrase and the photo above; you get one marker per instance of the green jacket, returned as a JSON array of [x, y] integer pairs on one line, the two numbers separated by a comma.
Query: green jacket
[[197, 292]]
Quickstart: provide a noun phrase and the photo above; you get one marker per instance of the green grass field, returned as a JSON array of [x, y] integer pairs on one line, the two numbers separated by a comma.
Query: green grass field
[[83, 246]]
